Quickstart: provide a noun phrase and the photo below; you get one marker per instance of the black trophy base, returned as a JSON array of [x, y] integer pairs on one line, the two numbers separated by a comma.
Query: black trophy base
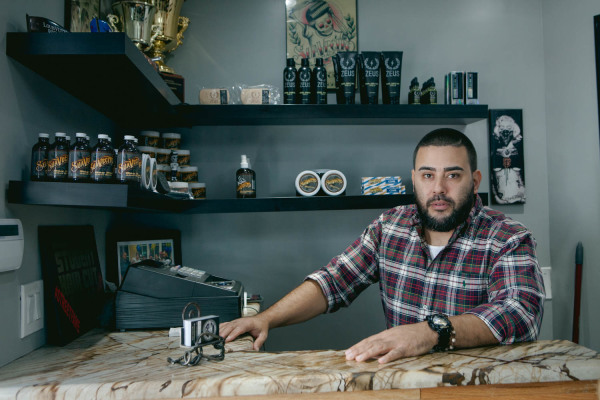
[[176, 83]]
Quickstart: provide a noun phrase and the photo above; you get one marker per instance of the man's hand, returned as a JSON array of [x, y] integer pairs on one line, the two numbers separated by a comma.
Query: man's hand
[[255, 326], [394, 343]]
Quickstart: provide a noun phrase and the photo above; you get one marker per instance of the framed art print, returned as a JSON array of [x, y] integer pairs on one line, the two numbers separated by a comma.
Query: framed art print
[[507, 163], [320, 29], [73, 284]]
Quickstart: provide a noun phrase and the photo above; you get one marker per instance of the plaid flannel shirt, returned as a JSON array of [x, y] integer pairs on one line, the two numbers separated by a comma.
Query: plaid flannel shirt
[[488, 268]]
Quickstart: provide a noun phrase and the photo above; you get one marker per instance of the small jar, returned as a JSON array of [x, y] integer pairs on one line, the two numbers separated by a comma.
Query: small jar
[[183, 157], [149, 138], [171, 141], [151, 151], [164, 168], [163, 156], [179, 187], [198, 190], [188, 174]]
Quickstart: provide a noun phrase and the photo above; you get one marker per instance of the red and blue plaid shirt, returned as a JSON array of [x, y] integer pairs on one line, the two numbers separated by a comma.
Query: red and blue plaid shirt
[[488, 268]]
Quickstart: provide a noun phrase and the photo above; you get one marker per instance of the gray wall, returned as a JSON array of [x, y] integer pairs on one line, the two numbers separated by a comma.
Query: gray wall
[[573, 148], [231, 42]]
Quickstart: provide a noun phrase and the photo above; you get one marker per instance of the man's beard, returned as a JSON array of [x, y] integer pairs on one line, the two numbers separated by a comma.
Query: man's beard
[[459, 214]]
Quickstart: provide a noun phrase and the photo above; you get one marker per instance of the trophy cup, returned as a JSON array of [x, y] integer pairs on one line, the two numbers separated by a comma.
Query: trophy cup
[[170, 28], [137, 18]]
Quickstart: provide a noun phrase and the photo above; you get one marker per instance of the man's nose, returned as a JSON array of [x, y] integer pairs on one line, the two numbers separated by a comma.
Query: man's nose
[[439, 185]]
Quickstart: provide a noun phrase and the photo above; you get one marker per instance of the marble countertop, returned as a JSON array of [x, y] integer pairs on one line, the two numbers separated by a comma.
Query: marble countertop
[[133, 365]]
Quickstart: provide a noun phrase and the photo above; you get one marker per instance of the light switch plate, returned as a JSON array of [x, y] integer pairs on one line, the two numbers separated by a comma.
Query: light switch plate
[[32, 307], [547, 275]]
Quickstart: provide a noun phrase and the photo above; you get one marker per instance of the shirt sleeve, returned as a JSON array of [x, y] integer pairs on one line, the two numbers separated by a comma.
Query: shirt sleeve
[[515, 292], [351, 272]]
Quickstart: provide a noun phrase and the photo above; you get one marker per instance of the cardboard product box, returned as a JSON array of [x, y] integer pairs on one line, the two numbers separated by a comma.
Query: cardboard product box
[[382, 185]]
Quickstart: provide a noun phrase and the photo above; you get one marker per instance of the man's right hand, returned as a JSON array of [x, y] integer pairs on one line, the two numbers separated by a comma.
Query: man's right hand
[[255, 326]]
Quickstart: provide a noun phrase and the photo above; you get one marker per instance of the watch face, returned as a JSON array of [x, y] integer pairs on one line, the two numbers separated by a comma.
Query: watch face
[[440, 321]]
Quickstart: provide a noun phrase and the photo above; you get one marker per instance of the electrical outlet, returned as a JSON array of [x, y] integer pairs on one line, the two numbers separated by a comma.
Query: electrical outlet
[[547, 275], [32, 307]]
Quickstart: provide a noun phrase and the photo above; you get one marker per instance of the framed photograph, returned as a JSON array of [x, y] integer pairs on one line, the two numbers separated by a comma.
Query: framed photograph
[[597, 49], [73, 284], [130, 246], [507, 163], [80, 13], [320, 29]]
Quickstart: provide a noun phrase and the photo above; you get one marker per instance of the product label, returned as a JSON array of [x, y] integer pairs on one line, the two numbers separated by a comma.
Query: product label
[[129, 166], [151, 141], [171, 143], [79, 164], [334, 183], [289, 86], [199, 193], [39, 164], [245, 186], [102, 165], [58, 162], [308, 183]]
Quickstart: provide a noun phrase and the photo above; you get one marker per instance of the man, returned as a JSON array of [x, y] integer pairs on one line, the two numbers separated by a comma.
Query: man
[[451, 272]]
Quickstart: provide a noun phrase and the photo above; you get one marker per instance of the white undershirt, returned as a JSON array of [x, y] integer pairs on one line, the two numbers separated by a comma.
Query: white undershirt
[[435, 250]]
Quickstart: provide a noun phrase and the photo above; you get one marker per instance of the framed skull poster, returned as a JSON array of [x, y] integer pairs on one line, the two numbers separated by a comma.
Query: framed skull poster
[[507, 163], [320, 29]]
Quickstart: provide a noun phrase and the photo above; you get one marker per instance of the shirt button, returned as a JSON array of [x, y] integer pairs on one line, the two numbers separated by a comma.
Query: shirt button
[[425, 308]]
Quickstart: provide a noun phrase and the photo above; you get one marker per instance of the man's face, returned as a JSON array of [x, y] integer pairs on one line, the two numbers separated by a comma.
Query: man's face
[[444, 186]]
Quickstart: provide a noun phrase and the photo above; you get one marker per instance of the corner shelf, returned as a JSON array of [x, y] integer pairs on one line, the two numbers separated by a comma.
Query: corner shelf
[[131, 198]]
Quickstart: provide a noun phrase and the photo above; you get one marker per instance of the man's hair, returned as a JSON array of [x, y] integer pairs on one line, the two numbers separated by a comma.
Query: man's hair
[[448, 137]]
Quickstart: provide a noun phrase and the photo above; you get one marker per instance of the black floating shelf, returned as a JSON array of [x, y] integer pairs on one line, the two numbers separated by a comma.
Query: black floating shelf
[[106, 71], [131, 198], [331, 114]]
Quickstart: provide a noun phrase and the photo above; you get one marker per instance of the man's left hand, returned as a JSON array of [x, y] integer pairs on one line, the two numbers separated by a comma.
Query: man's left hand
[[394, 343]]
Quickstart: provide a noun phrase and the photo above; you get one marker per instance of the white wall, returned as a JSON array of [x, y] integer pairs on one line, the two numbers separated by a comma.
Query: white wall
[[233, 41], [573, 161]]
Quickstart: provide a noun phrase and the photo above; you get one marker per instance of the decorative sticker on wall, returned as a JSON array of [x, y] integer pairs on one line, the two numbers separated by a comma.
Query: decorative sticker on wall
[[507, 164], [320, 29]]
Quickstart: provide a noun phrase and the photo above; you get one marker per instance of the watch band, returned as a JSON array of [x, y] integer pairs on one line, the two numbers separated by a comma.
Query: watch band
[[440, 323]]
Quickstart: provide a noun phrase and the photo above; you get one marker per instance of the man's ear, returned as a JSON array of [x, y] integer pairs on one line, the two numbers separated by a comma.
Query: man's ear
[[412, 177], [476, 181]]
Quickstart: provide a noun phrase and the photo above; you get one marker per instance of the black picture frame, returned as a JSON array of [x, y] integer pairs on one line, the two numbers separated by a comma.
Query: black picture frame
[[79, 14], [73, 284], [597, 49], [115, 268], [507, 161]]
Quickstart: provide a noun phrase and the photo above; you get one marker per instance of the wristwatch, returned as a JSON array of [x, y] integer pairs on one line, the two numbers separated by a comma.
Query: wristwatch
[[441, 324]]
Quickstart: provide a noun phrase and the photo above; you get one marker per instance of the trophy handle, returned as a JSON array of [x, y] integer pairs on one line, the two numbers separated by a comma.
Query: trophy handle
[[156, 31], [183, 25], [113, 20]]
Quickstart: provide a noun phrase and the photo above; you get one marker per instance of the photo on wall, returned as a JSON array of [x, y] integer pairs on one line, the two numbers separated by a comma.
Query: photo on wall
[[507, 163], [320, 29]]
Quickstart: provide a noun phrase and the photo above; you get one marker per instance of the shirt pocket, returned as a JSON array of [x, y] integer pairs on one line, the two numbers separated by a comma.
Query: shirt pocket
[[471, 283]]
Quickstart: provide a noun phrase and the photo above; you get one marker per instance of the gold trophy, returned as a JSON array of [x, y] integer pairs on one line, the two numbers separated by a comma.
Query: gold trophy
[[170, 28], [136, 19]]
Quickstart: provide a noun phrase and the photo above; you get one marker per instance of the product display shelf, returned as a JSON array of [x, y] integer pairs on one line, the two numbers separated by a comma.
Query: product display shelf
[[132, 198], [331, 114], [106, 71]]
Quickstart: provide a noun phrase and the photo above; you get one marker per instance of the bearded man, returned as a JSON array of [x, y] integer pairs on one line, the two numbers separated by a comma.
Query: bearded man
[[451, 272]]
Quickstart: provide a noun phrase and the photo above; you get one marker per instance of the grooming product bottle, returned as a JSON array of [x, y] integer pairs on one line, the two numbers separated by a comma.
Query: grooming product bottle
[[290, 82], [79, 159], [304, 82], [39, 157], [319, 87], [58, 158], [245, 181]]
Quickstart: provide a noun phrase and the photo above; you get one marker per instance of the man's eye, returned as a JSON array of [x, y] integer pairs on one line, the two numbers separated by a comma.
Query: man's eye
[[453, 176], [427, 176]]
